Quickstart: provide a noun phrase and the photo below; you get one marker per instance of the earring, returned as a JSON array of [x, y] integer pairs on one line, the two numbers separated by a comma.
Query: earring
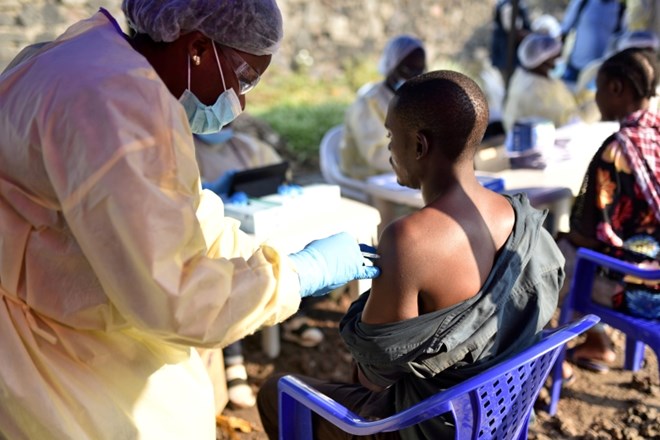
[[196, 60]]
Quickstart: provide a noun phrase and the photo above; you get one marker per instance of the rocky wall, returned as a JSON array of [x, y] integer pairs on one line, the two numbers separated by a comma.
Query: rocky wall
[[323, 36]]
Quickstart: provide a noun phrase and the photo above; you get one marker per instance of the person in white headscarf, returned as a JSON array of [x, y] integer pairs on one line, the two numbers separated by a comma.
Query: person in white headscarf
[[115, 262], [533, 92], [364, 145]]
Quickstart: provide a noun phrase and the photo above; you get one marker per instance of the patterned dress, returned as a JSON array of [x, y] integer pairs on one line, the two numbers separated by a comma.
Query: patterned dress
[[619, 203]]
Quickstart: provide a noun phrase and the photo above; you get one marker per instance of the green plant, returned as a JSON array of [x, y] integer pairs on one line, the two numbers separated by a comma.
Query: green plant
[[303, 125], [301, 108]]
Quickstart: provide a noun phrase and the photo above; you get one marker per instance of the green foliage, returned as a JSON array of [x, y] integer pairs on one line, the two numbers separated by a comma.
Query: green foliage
[[301, 108], [303, 125]]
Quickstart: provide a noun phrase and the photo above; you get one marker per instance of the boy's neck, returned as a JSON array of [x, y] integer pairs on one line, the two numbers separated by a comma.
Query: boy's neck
[[445, 181]]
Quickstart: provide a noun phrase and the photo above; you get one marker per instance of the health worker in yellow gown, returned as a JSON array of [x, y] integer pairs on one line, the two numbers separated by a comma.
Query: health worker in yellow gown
[[114, 263]]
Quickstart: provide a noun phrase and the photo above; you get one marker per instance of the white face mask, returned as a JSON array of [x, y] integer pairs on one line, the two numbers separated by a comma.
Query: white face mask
[[558, 70], [206, 119]]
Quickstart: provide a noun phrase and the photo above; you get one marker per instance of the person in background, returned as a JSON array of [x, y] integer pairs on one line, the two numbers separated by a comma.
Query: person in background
[[643, 15], [594, 23], [229, 150], [115, 262], [532, 91], [502, 27], [422, 328], [618, 209], [364, 146], [585, 88], [217, 154]]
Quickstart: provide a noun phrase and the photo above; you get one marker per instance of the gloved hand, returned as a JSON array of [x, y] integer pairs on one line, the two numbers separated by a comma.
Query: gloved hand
[[238, 198], [289, 189], [326, 264], [221, 185]]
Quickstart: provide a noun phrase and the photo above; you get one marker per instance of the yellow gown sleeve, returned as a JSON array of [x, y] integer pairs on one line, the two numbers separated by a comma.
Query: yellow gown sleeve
[[123, 167]]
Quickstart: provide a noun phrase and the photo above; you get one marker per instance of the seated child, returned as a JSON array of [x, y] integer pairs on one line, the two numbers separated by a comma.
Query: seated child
[[467, 281]]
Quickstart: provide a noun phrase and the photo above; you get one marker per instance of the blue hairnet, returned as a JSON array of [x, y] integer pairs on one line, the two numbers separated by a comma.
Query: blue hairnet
[[395, 51], [535, 49], [252, 26]]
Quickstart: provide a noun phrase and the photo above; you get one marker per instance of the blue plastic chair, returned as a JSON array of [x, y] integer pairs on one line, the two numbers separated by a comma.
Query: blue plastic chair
[[638, 331], [495, 404]]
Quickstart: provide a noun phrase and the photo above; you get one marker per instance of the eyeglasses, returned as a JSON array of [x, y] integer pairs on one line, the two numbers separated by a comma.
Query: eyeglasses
[[247, 76]]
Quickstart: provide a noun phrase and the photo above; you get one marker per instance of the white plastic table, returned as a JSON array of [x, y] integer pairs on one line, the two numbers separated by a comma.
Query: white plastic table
[[343, 215]]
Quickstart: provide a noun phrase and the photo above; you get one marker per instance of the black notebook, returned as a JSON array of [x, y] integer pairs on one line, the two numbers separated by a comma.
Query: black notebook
[[262, 181]]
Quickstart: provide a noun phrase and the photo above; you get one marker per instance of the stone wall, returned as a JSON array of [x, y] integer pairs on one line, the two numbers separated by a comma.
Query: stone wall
[[323, 36]]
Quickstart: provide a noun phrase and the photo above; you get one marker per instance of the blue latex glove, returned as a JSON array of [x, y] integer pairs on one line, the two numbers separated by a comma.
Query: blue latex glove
[[326, 264], [238, 198], [289, 189], [221, 185]]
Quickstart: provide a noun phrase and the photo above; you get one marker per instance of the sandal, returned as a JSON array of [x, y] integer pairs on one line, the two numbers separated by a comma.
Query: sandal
[[238, 390], [594, 365], [297, 330]]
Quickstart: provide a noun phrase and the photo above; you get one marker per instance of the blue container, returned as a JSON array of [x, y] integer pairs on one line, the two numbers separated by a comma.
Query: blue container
[[529, 136], [492, 183]]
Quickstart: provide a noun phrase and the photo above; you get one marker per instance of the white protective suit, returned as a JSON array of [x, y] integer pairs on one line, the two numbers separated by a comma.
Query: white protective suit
[[535, 95], [364, 150], [241, 152], [643, 15], [111, 255]]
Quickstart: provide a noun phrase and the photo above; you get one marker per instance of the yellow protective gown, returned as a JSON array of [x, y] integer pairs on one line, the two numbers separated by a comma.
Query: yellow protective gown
[[111, 255], [364, 150], [535, 95], [240, 152]]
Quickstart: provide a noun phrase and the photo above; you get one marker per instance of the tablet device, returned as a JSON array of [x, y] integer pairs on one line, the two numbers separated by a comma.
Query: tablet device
[[262, 181]]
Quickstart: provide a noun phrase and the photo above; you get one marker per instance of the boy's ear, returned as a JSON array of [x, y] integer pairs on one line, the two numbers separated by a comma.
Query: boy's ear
[[421, 145]]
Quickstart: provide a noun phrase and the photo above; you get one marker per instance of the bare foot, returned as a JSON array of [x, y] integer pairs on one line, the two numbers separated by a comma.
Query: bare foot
[[583, 351], [597, 346], [567, 372]]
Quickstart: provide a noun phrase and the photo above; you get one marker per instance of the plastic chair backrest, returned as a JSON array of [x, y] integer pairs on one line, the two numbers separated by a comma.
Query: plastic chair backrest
[[639, 331], [495, 404], [329, 161]]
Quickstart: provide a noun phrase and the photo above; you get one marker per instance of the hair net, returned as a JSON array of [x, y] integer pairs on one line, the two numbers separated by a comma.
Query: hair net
[[252, 26], [638, 40], [548, 25], [535, 49], [395, 51]]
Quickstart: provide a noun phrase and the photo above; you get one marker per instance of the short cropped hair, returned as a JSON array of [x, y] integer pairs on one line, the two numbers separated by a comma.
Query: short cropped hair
[[446, 106], [638, 67]]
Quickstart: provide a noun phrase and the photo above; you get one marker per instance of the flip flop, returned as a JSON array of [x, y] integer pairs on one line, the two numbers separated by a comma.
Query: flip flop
[[594, 365]]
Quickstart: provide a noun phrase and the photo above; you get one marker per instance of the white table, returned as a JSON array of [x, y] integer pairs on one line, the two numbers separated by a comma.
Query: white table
[[567, 163], [342, 215]]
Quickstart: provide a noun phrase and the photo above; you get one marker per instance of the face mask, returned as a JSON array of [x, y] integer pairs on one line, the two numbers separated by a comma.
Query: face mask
[[558, 70], [206, 119]]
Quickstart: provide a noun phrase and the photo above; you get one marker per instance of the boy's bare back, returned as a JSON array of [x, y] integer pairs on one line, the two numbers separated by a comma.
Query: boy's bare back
[[438, 256], [442, 254]]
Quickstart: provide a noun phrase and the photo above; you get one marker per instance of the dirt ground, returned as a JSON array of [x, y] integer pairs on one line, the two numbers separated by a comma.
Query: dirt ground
[[615, 405]]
